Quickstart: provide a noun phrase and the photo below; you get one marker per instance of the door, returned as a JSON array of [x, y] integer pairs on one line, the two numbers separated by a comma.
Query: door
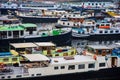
[[114, 61]]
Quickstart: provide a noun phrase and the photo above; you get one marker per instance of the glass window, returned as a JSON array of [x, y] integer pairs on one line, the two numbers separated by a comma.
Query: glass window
[[111, 31], [101, 64], [101, 31], [14, 59], [62, 67], [5, 59], [106, 31], [99, 51], [81, 66], [71, 67], [56, 67], [116, 31], [9, 33], [91, 65]]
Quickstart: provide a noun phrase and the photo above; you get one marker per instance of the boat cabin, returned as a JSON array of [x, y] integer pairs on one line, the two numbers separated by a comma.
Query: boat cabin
[[17, 30], [99, 50], [46, 48], [35, 60]]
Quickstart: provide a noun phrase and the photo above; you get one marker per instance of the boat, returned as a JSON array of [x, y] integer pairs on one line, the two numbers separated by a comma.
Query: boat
[[95, 62], [74, 19], [40, 16], [45, 5], [9, 19], [28, 32], [101, 30], [9, 6]]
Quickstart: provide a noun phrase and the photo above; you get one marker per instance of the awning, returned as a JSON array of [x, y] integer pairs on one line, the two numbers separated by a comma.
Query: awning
[[45, 44], [36, 57], [23, 45]]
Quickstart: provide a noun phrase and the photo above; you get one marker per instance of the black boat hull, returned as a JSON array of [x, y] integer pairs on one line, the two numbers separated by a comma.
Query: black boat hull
[[61, 39], [38, 19]]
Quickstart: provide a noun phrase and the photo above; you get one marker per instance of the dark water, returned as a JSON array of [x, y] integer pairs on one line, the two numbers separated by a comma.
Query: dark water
[[77, 43]]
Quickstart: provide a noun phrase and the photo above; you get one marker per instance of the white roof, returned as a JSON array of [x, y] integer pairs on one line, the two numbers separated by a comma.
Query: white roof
[[77, 59], [23, 45], [36, 57], [99, 46], [45, 44]]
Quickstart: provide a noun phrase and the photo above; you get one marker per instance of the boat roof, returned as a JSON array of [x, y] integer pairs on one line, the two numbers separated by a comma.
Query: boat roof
[[23, 45], [10, 28], [45, 44], [28, 25], [77, 59], [36, 57], [99, 47]]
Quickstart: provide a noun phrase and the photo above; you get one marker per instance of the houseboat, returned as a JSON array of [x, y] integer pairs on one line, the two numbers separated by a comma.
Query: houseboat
[[39, 16], [9, 6], [96, 62], [29, 32], [9, 19]]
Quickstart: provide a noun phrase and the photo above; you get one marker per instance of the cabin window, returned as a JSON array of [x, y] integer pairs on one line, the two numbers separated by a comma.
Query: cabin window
[[72, 53], [19, 76], [102, 24], [32, 75], [65, 54], [63, 23], [91, 65], [99, 51], [92, 3], [21, 33], [81, 66], [57, 55], [96, 4], [9, 33], [2, 77], [38, 74], [68, 24], [101, 64], [111, 31], [71, 67], [56, 67], [116, 31], [107, 24], [5, 59], [9, 76], [62, 67], [88, 3], [14, 59], [106, 31], [99, 3], [97, 25], [108, 51], [101, 32]]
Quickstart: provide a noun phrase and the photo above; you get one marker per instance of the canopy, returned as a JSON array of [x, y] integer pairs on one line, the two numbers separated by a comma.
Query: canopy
[[36, 57], [45, 44], [23, 45]]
